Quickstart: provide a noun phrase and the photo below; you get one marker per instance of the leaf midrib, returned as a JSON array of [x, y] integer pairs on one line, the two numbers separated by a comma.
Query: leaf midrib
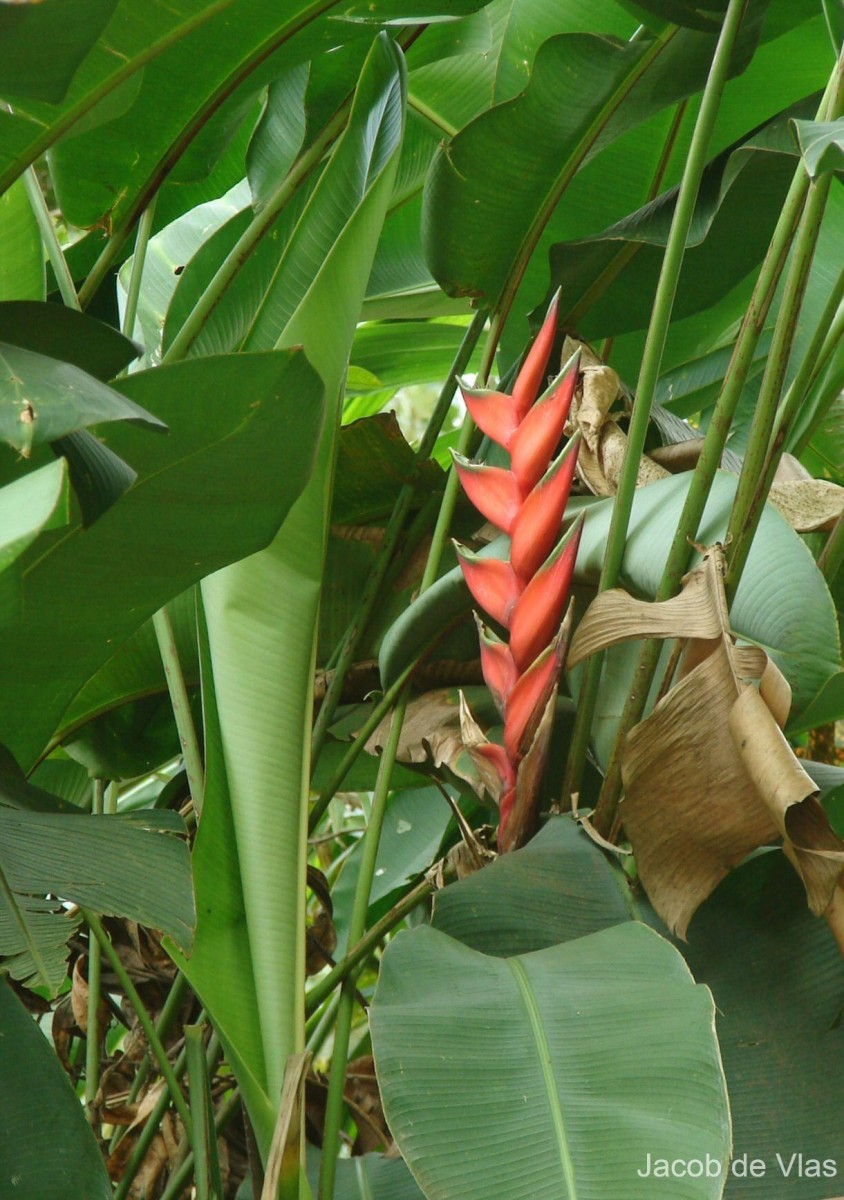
[[546, 1066]]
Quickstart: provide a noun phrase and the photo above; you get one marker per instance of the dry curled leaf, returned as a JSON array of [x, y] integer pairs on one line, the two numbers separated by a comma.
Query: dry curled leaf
[[708, 775]]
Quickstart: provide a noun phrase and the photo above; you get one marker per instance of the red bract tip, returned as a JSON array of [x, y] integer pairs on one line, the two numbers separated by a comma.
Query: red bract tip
[[536, 616], [492, 583], [497, 755], [537, 523], [505, 808], [492, 490], [526, 703], [497, 664], [494, 413], [534, 441], [534, 367]]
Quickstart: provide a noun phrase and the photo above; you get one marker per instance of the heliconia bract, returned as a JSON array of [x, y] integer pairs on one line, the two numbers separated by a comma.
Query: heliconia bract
[[528, 594]]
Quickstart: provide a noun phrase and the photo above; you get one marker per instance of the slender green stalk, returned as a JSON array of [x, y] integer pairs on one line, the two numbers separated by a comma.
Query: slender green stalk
[[366, 945], [319, 1023], [357, 928], [95, 925], [136, 274], [649, 372], [181, 1176], [207, 1178], [373, 588], [191, 752], [252, 235], [163, 1025], [832, 555], [356, 748], [828, 336], [750, 498], [714, 442], [58, 262], [92, 1034]]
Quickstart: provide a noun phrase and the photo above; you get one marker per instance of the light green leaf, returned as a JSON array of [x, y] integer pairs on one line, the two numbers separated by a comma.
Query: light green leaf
[[248, 964], [46, 399], [58, 1158], [22, 272], [821, 144], [210, 492], [494, 1082], [34, 502]]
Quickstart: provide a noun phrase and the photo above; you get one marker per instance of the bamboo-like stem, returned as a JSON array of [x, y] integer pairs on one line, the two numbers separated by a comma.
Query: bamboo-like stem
[[750, 497], [715, 440], [373, 587], [177, 688], [58, 262], [828, 336], [357, 928], [136, 274], [206, 1163], [92, 1033], [832, 555], [179, 1179], [96, 927], [163, 1025], [319, 1023], [321, 990], [252, 235], [357, 925], [649, 372], [356, 748]]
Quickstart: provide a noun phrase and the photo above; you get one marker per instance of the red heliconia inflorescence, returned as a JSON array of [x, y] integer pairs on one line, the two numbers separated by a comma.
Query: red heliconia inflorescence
[[527, 595]]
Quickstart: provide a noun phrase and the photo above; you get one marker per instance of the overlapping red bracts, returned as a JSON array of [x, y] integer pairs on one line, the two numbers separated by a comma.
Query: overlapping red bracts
[[528, 594]]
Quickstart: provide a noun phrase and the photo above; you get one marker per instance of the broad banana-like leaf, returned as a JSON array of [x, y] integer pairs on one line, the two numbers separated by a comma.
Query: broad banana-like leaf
[[495, 1083], [248, 964], [22, 274], [210, 492], [58, 1157]]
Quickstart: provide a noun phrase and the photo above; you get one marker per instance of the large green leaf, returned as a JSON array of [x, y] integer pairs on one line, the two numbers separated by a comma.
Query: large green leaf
[[48, 1148], [248, 964], [117, 865], [496, 1081], [66, 334], [549, 132], [212, 491], [821, 144], [774, 970], [22, 274], [609, 279], [782, 603], [40, 49], [367, 1177], [47, 399]]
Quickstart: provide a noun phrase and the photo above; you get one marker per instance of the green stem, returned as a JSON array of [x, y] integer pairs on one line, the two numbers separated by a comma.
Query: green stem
[[58, 262], [321, 990], [252, 235], [356, 748], [752, 489], [131, 992], [206, 1163], [163, 1025], [832, 555], [136, 274], [180, 1177], [92, 1034], [373, 588], [319, 1023], [191, 752], [827, 338], [649, 372], [357, 928], [700, 485]]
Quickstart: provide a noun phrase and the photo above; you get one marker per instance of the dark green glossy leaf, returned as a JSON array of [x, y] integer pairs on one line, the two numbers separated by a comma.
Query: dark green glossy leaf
[[40, 49], [609, 279], [58, 1157], [550, 132], [61, 332], [128, 866], [214, 490]]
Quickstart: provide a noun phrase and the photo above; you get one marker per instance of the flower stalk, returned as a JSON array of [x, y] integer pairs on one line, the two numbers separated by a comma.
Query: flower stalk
[[526, 595]]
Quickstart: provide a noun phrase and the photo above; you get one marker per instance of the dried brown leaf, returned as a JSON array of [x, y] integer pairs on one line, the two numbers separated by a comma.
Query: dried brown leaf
[[808, 504]]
